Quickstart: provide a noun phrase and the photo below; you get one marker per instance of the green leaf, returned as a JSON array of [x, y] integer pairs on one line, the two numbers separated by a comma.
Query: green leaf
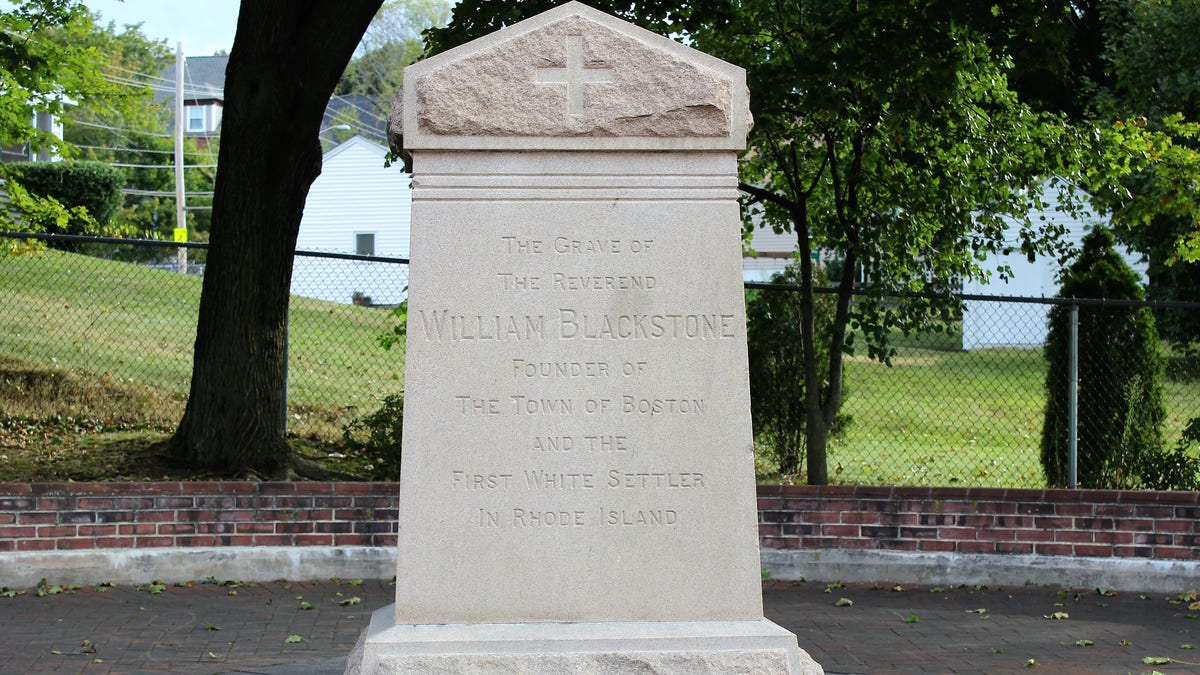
[[355, 600], [306, 605], [844, 602], [1084, 643], [1057, 616], [912, 618], [209, 626], [1156, 660], [293, 639]]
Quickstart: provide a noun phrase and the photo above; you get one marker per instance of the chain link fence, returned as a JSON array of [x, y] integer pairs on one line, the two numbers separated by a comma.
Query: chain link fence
[[103, 333], [967, 405]]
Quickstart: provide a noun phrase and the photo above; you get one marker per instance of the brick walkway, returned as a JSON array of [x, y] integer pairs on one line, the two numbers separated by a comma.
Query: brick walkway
[[132, 630]]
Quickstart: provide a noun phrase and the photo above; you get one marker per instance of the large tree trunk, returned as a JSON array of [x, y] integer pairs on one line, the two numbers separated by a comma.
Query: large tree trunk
[[286, 59]]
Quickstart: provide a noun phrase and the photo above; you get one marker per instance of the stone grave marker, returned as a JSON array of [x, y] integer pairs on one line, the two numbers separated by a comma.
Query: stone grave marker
[[577, 485]]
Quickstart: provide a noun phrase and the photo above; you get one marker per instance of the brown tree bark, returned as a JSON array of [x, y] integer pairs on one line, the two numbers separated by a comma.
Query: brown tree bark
[[286, 59]]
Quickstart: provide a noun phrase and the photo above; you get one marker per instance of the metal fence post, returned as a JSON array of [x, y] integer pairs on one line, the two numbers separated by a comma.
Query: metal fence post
[[286, 366], [1073, 402]]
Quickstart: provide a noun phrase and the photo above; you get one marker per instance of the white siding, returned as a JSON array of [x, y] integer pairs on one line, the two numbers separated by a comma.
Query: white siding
[[762, 267], [1003, 324], [355, 194]]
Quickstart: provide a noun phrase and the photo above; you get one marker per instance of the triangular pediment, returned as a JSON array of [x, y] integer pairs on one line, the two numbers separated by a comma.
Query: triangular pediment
[[574, 78]]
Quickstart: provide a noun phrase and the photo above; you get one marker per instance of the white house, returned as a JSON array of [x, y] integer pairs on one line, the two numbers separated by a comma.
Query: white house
[[355, 206], [772, 253], [1003, 324]]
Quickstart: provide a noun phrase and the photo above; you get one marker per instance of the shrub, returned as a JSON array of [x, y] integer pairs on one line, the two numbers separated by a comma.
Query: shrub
[[1120, 394], [377, 437], [95, 186], [777, 367]]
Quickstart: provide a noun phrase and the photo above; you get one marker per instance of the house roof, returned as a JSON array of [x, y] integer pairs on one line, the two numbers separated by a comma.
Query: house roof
[[356, 142], [203, 79]]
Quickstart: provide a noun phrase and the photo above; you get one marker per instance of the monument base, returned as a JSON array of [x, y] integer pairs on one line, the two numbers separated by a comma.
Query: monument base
[[666, 647]]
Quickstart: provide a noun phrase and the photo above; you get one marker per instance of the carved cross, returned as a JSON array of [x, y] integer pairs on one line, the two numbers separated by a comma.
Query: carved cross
[[574, 75]]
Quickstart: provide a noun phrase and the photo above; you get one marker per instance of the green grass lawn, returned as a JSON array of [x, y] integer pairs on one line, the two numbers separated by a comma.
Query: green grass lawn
[[941, 416], [111, 343], [126, 326]]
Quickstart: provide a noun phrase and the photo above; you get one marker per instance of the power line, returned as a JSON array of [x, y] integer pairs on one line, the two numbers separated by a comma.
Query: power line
[[359, 108], [106, 127], [196, 91], [163, 193], [161, 166], [145, 150], [138, 72]]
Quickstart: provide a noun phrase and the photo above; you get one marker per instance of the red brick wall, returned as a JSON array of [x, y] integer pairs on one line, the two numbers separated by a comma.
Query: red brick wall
[[73, 516], [1101, 523]]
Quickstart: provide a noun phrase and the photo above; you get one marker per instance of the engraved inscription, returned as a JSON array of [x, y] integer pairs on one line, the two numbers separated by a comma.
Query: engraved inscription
[[560, 369], [553, 480], [553, 443], [631, 405], [443, 325], [469, 405], [539, 518], [577, 325], [519, 282], [437, 325], [639, 517], [565, 384], [479, 481], [634, 282], [519, 245], [606, 443], [515, 245], [655, 479], [524, 405]]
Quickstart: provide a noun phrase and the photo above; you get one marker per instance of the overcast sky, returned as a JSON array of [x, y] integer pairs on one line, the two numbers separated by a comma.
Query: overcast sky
[[203, 27]]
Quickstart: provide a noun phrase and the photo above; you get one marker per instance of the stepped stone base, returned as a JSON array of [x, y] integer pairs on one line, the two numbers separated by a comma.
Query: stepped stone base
[[652, 648]]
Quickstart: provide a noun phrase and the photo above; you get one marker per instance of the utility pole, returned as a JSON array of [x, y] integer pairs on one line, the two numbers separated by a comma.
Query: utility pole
[[180, 200]]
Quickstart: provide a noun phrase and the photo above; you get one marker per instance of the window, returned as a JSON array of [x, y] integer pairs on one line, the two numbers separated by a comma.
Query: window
[[364, 244], [195, 118]]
